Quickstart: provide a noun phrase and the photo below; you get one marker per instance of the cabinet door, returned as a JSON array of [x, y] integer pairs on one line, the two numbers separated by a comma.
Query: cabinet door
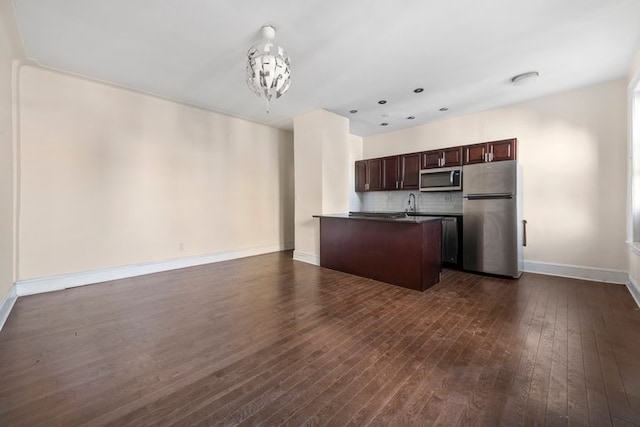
[[431, 159], [452, 156], [361, 175], [390, 166], [502, 150], [374, 177], [410, 168], [475, 153]]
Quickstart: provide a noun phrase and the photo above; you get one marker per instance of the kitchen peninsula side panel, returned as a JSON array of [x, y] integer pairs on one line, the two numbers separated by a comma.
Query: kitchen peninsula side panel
[[403, 254]]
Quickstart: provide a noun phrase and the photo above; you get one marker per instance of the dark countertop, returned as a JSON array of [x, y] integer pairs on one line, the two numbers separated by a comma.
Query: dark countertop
[[437, 213], [384, 216], [410, 213]]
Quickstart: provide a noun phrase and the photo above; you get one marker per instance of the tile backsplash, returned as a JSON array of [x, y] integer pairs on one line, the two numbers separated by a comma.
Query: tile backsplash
[[397, 201]]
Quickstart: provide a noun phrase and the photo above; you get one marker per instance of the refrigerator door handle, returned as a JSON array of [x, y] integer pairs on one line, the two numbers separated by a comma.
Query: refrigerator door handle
[[524, 232], [488, 196]]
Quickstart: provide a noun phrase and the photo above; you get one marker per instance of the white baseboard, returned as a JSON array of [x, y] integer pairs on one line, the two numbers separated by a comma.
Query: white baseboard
[[64, 281], [305, 257], [7, 304], [577, 272], [60, 282], [634, 290]]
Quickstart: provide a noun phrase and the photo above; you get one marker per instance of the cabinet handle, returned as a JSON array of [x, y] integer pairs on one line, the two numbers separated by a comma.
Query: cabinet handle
[[444, 162], [401, 184], [366, 187], [485, 157]]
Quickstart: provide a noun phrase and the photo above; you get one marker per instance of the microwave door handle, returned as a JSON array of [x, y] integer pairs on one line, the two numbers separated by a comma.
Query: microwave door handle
[[451, 177]]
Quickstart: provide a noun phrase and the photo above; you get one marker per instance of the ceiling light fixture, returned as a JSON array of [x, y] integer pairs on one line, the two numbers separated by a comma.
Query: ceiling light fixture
[[444, 109], [525, 79], [382, 101], [411, 117], [384, 124], [418, 90], [353, 111], [268, 67]]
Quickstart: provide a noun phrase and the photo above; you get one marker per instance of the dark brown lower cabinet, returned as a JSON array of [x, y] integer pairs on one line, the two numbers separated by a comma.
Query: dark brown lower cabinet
[[401, 253]]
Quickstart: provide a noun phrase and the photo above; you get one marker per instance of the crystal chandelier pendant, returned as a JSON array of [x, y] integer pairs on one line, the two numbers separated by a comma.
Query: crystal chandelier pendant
[[268, 67]]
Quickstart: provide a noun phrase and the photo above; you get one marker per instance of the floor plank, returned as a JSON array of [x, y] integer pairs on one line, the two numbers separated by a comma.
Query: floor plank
[[270, 341]]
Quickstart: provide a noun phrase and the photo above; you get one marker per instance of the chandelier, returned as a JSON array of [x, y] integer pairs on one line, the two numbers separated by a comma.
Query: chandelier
[[268, 67]]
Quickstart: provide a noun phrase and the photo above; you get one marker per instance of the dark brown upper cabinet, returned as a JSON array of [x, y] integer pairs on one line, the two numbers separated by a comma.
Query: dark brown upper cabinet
[[442, 158], [476, 153], [402, 172], [375, 175], [361, 175], [368, 175], [493, 151], [503, 150], [388, 173], [410, 171], [391, 173], [431, 159]]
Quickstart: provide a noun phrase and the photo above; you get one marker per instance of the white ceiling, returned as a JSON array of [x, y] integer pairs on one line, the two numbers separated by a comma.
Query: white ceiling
[[345, 54]]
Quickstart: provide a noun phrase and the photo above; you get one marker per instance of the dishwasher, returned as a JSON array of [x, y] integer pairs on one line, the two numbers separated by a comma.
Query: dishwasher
[[450, 241]]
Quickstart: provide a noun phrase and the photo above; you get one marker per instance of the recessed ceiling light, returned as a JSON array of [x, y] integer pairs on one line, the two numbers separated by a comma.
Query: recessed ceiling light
[[525, 79], [384, 124], [411, 117], [418, 90], [382, 101], [444, 109], [353, 111]]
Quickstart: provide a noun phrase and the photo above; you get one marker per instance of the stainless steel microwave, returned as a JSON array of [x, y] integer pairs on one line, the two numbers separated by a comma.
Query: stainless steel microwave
[[441, 179]]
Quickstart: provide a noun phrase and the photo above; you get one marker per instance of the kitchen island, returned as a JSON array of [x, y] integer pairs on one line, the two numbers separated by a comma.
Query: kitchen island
[[397, 249]]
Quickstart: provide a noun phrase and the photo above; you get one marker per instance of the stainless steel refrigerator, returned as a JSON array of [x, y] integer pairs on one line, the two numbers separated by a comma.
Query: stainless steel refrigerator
[[492, 218]]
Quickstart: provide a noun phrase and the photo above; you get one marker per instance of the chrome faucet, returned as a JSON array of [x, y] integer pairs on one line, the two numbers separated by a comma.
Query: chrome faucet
[[409, 209]]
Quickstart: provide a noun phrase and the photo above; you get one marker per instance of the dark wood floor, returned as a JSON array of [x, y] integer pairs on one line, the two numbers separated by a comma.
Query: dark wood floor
[[268, 341]]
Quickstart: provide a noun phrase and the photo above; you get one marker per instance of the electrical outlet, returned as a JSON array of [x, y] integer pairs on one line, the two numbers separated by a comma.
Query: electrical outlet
[[181, 246]]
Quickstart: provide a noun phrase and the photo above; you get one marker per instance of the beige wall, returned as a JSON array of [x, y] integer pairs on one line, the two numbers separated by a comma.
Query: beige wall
[[324, 151], [10, 51], [633, 81], [335, 164], [307, 133], [634, 68], [572, 147], [634, 275], [355, 153], [111, 177]]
